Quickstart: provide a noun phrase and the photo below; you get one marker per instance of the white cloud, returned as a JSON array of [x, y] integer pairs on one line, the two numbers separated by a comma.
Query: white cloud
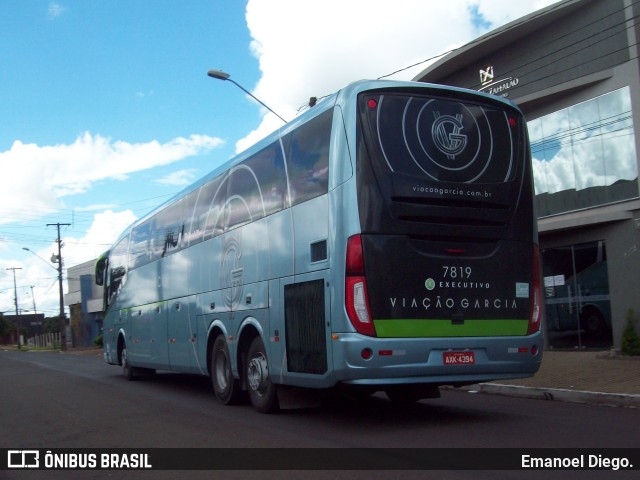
[[313, 48], [41, 273], [55, 10], [104, 231], [180, 178], [41, 175]]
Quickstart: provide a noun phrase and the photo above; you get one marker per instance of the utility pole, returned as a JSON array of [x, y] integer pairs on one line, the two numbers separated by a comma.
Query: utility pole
[[15, 291], [34, 300], [63, 323]]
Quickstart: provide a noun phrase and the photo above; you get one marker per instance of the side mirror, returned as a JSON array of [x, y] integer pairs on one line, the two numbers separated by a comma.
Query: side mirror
[[101, 267]]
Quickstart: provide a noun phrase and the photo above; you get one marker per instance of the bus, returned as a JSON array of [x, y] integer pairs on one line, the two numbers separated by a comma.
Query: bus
[[384, 240]]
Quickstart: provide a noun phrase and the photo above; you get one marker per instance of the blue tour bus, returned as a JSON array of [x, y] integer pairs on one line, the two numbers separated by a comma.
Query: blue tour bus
[[384, 240]]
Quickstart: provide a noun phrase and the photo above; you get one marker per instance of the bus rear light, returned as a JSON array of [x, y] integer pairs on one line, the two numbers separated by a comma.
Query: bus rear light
[[358, 306], [356, 300], [355, 258], [536, 297]]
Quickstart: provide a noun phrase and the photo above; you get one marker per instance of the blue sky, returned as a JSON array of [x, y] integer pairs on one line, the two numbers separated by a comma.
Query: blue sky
[[106, 109]]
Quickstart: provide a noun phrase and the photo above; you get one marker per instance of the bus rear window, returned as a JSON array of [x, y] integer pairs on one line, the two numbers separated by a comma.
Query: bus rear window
[[441, 139]]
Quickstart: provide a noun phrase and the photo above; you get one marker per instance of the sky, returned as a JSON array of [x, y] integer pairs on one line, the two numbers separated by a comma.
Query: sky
[[106, 109]]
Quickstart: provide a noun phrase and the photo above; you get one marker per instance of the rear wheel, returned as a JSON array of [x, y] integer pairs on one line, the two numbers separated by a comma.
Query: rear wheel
[[225, 386], [262, 391], [594, 323]]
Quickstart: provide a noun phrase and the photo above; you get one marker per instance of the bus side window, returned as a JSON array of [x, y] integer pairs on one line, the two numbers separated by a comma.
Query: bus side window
[[256, 187], [140, 245], [169, 230], [191, 229], [307, 156], [209, 213]]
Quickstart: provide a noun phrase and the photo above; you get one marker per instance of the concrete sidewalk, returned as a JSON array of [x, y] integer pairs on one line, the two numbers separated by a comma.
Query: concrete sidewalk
[[597, 377]]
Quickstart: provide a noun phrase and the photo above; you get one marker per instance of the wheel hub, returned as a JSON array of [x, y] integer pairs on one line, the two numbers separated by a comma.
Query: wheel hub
[[258, 374]]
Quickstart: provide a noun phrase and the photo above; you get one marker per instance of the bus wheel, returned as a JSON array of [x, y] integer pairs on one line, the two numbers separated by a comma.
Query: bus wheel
[[594, 323], [262, 391], [226, 388], [127, 370]]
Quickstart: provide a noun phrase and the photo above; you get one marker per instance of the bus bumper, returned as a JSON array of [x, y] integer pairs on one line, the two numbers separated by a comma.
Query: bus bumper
[[362, 360]]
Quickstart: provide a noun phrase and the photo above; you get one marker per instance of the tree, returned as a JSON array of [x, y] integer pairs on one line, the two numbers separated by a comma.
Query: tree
[[52, 324], [630, 344], [5, 326]]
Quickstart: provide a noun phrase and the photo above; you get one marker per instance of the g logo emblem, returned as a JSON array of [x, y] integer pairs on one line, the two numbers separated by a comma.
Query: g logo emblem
[[446, 134]]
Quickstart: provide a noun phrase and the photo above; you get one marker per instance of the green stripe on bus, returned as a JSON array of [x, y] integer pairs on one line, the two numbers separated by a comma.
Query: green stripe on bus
[[444, 328]]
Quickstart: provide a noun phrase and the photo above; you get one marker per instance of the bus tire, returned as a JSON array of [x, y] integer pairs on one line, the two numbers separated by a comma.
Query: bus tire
[[594, 323], [225, 386], [262, 391], [128, 371]]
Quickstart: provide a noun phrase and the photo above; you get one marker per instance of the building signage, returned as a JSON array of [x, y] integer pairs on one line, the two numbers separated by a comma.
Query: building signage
[[498, 87]]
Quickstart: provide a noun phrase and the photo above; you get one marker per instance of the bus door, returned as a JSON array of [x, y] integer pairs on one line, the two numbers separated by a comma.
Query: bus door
[[181, 334], [159, 348], [139, 342]]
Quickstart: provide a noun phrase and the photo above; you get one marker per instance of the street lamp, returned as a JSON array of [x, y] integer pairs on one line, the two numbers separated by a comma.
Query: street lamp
[[220, 75], [34, 253]]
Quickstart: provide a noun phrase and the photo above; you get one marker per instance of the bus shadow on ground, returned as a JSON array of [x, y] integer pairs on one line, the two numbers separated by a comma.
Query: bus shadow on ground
[[334, 406]]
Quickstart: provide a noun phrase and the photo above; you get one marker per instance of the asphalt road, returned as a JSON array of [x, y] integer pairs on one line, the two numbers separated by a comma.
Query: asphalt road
[[56, 400]]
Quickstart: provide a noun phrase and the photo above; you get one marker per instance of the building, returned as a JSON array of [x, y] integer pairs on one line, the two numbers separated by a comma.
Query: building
[[573, 69], [85, 304], [29, 325]]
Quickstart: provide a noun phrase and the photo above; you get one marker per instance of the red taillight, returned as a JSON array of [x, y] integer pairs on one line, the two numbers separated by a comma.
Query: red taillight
[[536, 295], [355, 258], [356, 299]]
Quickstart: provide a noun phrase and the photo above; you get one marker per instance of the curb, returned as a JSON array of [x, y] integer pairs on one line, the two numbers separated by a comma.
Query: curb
[[558, 394]]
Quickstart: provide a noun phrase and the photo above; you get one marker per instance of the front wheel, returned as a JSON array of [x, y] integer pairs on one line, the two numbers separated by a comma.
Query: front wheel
[[225, 386], [127, 370], [262, 391]]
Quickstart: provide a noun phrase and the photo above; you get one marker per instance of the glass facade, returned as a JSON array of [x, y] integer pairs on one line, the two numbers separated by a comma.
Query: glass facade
[[577, 303], [584, 156]]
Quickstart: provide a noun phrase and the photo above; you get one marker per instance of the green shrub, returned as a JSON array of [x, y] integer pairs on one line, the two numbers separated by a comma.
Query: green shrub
[[630, 344], [98, 341]]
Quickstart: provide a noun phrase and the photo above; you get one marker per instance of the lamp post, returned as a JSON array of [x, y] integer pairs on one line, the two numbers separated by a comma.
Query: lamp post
[[220, 75], [34, 253]]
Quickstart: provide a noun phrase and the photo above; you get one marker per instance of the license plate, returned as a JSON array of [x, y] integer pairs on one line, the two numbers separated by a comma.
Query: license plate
[[459, 358]]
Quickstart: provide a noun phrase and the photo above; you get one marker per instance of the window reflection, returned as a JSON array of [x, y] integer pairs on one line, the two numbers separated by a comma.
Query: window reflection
[[584, 155]]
